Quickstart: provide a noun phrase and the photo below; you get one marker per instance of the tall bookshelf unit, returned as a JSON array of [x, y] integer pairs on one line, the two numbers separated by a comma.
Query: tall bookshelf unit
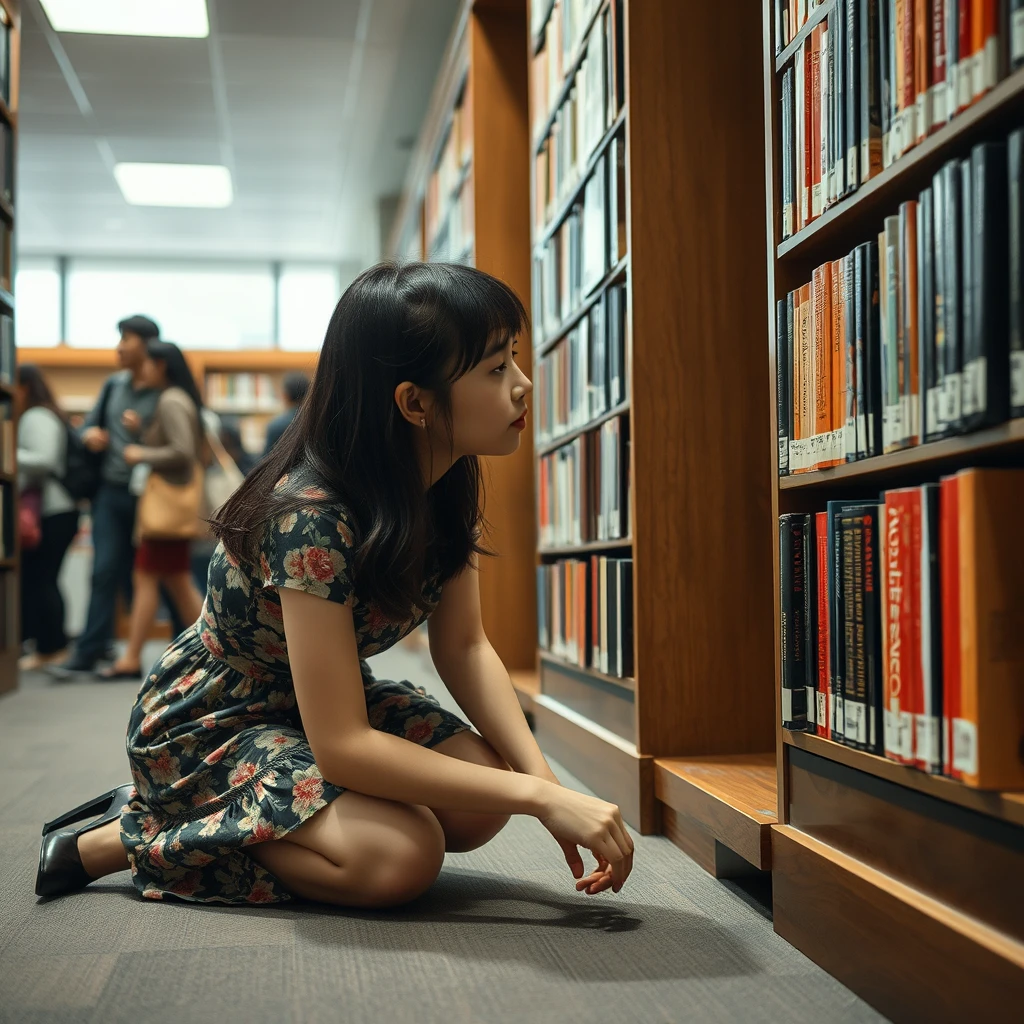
[[684, 743], [10, 555], [466, 199], [902, 884]]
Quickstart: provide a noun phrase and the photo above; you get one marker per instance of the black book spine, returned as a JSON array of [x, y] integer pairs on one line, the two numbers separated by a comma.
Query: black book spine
[[788, 153], [872, 352], [987, 359], [853, 96], [1015, 162], [860, 306], [937, 426], [926, 317], [929, 732], [626, 605], [870, 108], [1016, 33], [854, 692], [782, 384], [885, 83], [837, 651], [612, 611], [792, 583], [872, 623], [850, 335], [953, 296]]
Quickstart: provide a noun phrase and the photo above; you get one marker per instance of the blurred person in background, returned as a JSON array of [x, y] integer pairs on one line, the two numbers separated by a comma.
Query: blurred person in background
[[294, 388], [231, 438], [171, 446], [42, 462], [113, 507]]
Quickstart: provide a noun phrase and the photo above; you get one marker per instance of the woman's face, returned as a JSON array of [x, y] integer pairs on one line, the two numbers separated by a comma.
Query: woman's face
[[153, 373], [489, 403]]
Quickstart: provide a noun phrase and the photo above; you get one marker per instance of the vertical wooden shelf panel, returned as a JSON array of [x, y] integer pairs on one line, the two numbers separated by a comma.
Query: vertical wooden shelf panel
[[882, 874]]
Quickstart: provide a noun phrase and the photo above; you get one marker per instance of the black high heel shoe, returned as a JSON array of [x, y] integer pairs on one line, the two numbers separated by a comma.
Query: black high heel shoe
[[60, 867]]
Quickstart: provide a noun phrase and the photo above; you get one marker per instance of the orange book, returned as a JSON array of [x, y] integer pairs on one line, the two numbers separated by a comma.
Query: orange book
[[985, 48], [821, 303], [838, 369], [922, 66], [991, 724]]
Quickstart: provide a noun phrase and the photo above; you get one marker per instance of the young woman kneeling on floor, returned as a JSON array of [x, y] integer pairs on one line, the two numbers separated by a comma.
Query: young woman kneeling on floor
[[268, 762]]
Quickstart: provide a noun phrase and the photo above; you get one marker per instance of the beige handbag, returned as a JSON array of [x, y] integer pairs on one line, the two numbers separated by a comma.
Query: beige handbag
[[224, 480], [171, 511]]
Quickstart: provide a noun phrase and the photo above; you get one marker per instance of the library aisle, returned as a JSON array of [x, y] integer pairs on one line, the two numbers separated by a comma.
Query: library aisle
[[502, 937]]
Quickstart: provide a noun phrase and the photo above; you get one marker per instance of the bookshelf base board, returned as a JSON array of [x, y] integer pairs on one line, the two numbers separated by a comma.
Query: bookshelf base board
[[728, 799], [605, 763], [702, 847], [908, 955]]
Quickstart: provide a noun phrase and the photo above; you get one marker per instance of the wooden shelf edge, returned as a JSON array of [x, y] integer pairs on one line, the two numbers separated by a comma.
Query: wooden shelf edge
[[623, 682], [1007, 807], [720, 793], [937, 453], [934, 150], [569, 436], [818, 14], [587, 547]]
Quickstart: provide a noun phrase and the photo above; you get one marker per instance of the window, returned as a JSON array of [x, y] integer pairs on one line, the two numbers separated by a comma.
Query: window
[[307, 296], [37, 291], [215, 306]]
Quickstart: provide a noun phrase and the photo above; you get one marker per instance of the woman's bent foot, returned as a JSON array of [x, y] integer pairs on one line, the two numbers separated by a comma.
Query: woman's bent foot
[[102, 852]]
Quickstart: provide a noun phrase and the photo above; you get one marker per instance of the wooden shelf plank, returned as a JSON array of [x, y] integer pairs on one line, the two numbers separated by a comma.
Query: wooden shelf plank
[[1005, 806], [818, 14], [937, 456], [8, 563], [626, 682], [733, 797], [853, 219], [587, 547], [569, 436]]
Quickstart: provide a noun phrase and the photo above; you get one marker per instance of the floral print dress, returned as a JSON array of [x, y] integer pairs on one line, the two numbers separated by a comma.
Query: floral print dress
[[218, 754]]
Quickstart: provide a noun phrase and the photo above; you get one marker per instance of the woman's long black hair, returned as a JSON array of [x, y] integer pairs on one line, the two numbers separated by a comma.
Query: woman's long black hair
[[428, 323], [38, 391], [178, 373]]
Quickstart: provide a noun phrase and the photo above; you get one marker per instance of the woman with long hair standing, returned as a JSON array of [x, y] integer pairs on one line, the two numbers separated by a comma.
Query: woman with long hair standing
[[171, 446], [42, 461], [268, 762]]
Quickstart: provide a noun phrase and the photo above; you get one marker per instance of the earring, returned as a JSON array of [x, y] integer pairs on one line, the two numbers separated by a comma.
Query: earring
[[423, 422]]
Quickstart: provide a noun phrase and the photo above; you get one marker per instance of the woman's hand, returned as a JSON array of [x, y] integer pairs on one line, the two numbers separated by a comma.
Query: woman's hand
[[133, 454], [575, 819], [131, 420]]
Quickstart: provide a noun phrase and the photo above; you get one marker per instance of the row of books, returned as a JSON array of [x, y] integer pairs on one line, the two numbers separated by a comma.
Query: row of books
[[585, 612], [454, 238], [873, 79], [583, 488], [452, 168], [242, 392], [564, 34], [584, 375], [589, 242], [917, 336], [8, 436], [588, 111], [901, 625], [8, 359]]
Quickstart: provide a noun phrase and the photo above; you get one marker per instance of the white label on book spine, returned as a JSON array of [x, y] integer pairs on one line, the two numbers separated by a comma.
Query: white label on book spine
[[855, 721], [1017, 35], [905, 735], [787, 705], [850, 438], [1017, 373], [811, 704], [939, 94], [927, 739], [922, 116], [988, 70], [966, 70], [965, 746], [783, 453], [852, 180], [838, 711], [932, 406], [952, 389], [820, 717], [974, 390], [885, 150], [914, 418], [890, 738]]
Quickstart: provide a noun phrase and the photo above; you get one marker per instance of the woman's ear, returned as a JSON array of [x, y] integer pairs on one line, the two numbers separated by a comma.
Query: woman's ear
[[415, 404]]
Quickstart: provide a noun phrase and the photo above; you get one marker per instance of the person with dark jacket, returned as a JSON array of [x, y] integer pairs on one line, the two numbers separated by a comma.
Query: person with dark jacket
[[294, 387]]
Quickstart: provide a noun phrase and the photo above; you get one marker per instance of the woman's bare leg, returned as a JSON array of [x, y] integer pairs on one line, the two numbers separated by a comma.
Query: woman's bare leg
[[145, 600], [101, 850], [187, 599], [359, 851]]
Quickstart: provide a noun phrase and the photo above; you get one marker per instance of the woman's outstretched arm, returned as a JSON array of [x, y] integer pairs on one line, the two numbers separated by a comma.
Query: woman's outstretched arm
[[476, 677]]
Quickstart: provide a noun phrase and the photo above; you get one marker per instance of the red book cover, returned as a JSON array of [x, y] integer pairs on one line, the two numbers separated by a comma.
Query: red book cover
[[938, 80], [581, 613], [949, 573], [965, 58], [824, 702], [813, 135], [901, 620]]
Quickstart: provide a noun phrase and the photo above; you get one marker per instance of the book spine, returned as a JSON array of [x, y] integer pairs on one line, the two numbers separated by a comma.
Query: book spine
[[987, 371], [787, 153], [871, 620], [850, 346], [1015, 161], [872, 352], [817, 41], [860, 305], [855, 729], [898, 717], [968, 322], [885, 91], [837, 649], [949, 573], [953, 296], [793, 644], [626, 618], [892, 420], [868, 91], [985, 41], [910, 390], [782, 385], [937, 411], [837, 377], [822, 703], [801, 115], [923, 44], [928, 748], [1016, 34], [938, 65], [822, 362], [965, 63], [926, 316]]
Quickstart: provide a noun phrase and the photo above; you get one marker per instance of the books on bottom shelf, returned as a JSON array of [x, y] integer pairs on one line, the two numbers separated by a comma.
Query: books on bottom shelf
[[242, 391], [585, 612], [918, 335], [902, 627], [583, 487]]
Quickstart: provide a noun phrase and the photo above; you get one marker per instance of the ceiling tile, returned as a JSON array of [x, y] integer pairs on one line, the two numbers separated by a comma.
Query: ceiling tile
[[311, 19]]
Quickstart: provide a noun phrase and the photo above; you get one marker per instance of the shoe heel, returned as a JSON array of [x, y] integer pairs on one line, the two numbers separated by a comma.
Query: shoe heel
[[98, 805]]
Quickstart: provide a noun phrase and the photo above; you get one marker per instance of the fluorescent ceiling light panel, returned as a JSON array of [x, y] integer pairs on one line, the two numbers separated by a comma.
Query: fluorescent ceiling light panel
[[179, 18], [207, 185]]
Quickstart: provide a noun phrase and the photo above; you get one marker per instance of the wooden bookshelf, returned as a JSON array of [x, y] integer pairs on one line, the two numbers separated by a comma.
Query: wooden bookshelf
[[480, 99], [10, 552], [900, 883], [696, 393]]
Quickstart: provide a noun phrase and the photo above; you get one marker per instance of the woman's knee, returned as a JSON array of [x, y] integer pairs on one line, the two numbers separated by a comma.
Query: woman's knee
[[403, 855]]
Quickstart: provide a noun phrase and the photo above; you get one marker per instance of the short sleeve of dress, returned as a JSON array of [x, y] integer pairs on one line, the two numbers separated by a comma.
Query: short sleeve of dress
[[310, 549]]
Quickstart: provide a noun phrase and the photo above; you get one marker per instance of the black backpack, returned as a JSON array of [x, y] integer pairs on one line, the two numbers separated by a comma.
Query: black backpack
[[81, 477]]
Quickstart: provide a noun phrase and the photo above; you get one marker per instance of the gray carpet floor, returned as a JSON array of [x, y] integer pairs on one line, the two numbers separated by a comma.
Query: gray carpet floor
[[501, 937]]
